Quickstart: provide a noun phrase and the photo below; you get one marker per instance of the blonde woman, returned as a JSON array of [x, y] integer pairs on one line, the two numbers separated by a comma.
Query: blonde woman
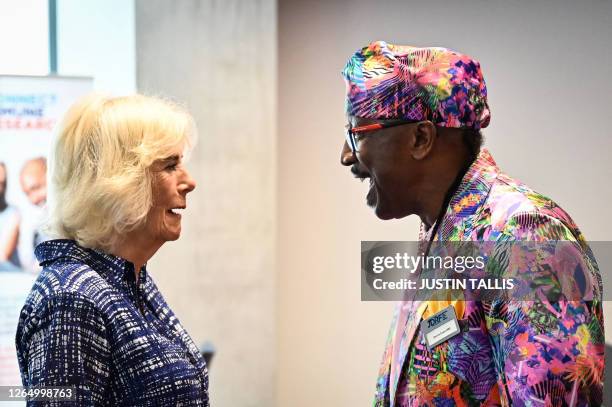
[[95, 319]]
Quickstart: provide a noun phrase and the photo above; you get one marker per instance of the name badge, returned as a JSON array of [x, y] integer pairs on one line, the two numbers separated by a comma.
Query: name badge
[[440, 327]]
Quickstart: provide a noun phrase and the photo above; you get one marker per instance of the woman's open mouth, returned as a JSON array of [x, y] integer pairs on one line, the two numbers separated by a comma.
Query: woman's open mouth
[[176, 211]]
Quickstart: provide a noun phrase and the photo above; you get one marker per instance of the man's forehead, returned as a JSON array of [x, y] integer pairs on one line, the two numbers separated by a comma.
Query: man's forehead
[[34, 168]]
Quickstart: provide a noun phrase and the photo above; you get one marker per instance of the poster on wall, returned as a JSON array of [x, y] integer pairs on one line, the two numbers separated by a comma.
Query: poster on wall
[[30, 108]]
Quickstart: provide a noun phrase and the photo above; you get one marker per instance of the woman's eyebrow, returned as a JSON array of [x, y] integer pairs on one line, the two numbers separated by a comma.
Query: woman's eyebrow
[[172, 158]]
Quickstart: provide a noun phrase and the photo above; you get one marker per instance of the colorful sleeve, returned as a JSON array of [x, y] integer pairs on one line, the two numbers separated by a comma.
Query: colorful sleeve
[[65, 344], [550, 352]]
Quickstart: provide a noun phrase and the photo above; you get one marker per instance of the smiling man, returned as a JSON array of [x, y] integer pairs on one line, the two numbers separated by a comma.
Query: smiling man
[[414, 120]]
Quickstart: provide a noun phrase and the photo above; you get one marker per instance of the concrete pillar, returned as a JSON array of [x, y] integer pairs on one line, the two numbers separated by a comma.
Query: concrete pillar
[[219, 58]]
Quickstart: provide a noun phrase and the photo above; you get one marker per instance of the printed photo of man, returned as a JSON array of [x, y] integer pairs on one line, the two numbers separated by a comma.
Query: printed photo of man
[[33, 180], [9, 227]]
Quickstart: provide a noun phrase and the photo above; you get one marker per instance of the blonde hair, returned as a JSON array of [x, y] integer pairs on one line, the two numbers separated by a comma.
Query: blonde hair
[[100, 165]]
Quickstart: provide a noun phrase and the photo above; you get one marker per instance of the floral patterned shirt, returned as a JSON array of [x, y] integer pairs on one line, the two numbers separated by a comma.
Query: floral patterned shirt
[[519, 353], [88, 324]]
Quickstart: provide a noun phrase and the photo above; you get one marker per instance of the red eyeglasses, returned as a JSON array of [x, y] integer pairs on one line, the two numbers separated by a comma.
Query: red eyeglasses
[[352, 132]]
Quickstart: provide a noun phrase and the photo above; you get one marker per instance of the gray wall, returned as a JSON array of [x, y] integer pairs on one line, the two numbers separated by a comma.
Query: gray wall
[[547, 66], [219, 57]]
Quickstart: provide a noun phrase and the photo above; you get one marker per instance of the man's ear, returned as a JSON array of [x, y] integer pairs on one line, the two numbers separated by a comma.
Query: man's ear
[[424, 138]]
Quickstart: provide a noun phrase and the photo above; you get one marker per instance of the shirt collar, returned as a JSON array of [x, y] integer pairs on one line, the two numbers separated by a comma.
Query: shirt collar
[[110, 266]]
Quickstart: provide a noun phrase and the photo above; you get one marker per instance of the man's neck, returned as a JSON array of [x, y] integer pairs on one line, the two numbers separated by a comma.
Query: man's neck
[[433, 206], [439, 193]]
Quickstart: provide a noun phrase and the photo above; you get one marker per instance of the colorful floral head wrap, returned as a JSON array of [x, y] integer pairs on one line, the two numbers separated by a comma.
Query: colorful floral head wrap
[[386, 81]]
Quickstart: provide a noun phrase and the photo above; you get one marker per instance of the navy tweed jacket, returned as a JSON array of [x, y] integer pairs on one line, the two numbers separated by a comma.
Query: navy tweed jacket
[[88, 324]]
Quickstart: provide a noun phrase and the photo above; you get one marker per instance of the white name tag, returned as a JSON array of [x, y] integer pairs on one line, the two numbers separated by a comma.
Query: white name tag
[[440, 327]]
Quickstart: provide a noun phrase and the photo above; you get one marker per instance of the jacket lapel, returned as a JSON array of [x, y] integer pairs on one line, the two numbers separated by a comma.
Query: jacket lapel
[[456, 225]]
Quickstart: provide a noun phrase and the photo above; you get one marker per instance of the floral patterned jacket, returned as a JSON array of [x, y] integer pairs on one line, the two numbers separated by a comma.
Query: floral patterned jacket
[[517, 353]]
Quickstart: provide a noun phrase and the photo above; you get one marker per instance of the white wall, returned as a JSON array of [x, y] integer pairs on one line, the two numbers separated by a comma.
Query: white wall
[[547, 66]]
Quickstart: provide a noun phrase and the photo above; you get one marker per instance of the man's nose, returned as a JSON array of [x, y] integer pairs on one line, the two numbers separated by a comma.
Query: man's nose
[[347, 157]]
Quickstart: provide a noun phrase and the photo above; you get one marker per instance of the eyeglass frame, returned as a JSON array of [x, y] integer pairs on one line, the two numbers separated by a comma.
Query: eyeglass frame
[[350, 132]]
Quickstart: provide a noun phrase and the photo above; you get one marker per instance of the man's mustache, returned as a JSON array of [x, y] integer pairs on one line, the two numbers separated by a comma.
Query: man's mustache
[[357, 173]]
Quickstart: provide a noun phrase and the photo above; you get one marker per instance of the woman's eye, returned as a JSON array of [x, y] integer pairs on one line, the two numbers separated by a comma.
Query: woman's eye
[[171, 167]]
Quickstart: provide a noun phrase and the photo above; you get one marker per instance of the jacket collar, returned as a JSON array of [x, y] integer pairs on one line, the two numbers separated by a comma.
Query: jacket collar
[[109, 266], [474, 186], [469, 197], [467, 201]]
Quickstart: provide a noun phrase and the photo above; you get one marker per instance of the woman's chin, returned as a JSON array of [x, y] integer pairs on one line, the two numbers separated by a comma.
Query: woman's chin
[[170, 235], [174, 236]]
